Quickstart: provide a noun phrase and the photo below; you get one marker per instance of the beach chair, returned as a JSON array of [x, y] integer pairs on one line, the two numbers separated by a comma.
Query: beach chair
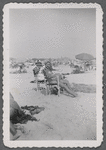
[[50, 85], [40, 81]]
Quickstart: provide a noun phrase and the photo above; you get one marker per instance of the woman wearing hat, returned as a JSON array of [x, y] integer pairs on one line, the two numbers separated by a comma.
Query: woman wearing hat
[[52, 78], [38, 67]]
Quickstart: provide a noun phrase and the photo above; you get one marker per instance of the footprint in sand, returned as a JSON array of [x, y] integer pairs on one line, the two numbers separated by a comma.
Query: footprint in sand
[[48, 125]]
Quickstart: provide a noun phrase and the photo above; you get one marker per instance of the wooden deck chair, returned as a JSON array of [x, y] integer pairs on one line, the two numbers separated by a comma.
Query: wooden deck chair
[[38, 82], [50, 85], [57, 85]]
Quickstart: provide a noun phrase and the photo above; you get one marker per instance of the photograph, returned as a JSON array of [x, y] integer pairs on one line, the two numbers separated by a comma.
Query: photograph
[[52, 75]]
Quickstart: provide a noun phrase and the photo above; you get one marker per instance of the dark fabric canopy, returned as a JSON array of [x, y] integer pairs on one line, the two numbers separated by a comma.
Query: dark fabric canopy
[[84, 56]]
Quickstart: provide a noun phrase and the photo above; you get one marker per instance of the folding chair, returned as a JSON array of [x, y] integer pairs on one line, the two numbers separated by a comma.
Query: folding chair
[[49, 85], [40, 81]]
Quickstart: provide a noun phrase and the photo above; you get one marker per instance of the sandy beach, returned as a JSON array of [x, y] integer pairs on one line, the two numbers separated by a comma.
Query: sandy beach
[[64, 118]]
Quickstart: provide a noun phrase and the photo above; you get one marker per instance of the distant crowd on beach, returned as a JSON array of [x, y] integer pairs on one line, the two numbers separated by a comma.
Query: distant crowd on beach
[[77, 66]]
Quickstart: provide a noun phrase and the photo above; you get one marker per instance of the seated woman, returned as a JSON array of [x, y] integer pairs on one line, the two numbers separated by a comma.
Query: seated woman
[[52, 78]]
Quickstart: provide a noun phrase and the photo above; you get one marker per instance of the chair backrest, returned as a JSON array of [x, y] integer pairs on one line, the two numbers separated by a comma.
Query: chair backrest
[[45, 75], [48, 80], [36, 71]]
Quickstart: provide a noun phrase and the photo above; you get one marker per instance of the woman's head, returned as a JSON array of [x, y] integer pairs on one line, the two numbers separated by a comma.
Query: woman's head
[[48, 65], [38, 63]]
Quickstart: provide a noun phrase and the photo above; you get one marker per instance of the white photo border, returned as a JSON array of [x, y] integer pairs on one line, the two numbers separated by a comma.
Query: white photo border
[[99, 77]]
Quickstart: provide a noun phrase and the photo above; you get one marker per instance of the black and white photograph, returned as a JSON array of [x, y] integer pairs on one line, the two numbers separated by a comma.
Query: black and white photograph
[[52, 75]]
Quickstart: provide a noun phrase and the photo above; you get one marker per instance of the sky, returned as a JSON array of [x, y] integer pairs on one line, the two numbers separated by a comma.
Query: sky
[[52, 33]]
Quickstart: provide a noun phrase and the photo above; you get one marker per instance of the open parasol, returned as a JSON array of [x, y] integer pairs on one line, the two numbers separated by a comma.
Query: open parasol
[[84, 57]]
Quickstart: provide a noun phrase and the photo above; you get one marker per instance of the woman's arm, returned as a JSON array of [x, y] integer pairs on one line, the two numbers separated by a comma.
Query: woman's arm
[[48, 74], [36, 70]]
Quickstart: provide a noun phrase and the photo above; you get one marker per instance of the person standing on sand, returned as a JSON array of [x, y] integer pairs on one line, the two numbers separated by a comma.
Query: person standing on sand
[[52, 78]]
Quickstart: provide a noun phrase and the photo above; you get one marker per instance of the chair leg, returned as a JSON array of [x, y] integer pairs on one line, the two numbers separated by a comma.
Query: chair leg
[[37, 84], [46, 87], [49, 89], [58, 86]]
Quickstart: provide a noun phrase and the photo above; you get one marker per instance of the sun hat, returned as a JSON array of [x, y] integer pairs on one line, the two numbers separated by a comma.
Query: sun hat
[[48, 62], [38, 63]]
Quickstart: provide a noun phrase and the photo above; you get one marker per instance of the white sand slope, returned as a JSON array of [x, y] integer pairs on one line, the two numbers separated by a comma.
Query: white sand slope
[[64, 118]]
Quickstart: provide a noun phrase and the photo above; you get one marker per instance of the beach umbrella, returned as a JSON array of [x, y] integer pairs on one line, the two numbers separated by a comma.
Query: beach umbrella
[[84, 57]]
